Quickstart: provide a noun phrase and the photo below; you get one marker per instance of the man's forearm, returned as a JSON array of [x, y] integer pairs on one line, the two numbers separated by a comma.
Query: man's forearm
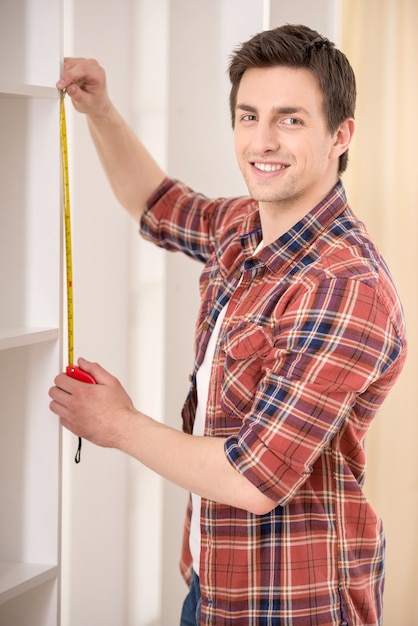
[[132, 172], [198, 464]]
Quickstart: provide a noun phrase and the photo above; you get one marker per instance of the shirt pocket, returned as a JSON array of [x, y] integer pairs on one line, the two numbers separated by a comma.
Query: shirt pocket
[[247, 352]]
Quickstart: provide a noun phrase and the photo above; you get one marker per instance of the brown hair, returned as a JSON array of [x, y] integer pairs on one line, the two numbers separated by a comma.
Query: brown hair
[[301, 47]]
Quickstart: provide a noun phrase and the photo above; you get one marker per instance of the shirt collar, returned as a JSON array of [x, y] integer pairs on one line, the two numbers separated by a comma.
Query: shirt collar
[[296, 240]]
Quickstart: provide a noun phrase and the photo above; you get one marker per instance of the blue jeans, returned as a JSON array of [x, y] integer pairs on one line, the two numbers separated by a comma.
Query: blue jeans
[[190, 615]]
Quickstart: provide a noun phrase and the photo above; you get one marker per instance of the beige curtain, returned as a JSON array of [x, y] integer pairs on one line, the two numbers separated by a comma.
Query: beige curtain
[[380, 37]]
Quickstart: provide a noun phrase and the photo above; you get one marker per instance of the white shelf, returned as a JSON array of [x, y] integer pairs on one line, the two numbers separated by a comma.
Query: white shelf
[[17, 578], [20, 337], [29, 91], [30, 311]]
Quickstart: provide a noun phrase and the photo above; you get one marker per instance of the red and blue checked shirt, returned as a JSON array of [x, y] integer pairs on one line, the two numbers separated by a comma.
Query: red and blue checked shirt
[[312, 342]]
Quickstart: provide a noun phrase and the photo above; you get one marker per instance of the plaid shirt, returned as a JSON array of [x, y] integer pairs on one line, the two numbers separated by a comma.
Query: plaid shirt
[[312, 342]]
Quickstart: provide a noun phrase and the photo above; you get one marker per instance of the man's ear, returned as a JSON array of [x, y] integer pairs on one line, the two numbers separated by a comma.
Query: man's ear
[[343, 136]]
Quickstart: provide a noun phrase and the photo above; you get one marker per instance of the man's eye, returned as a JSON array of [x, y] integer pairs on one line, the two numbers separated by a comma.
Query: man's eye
[[249, 117], [291, 121]]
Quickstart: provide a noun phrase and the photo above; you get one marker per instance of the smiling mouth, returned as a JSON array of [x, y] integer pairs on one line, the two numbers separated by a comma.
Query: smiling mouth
[[269, 167]]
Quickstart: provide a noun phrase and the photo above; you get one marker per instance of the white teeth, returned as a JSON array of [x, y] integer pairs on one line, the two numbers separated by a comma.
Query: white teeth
[[269, 167]]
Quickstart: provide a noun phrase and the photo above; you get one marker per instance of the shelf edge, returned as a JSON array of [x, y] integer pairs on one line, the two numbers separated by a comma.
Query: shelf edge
[[27, 90], [21, 337], [17, 578]]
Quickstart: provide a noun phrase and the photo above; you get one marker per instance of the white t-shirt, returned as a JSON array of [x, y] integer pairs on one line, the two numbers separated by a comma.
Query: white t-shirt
[[202, 385]]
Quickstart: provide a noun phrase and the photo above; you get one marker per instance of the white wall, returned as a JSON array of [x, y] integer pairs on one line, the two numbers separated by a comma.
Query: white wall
[[95, 504], [135, 306]]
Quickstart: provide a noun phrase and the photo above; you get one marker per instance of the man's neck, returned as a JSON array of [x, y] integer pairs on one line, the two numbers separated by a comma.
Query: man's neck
[[277, 218]]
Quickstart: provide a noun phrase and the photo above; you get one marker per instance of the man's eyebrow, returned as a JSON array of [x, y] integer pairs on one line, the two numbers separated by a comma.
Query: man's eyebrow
[[288, 110], [246, 107]]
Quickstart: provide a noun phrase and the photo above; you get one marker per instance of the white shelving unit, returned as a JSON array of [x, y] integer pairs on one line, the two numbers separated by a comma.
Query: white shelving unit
[[30, 311]]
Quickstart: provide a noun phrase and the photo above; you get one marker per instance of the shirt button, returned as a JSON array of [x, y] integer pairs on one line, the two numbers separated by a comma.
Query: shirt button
[[205, 326], [237, 274]]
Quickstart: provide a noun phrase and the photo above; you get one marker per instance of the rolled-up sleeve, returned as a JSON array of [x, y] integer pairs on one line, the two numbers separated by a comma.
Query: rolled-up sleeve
[[177, 218], [332, 355]]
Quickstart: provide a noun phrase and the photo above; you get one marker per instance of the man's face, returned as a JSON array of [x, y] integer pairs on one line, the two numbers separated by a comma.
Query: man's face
[[284, 149]]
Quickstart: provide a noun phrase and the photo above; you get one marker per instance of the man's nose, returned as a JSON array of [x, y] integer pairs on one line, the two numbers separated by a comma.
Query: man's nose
[[265, 138]]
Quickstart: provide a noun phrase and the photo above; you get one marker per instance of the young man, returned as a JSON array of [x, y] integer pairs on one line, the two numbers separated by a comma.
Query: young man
[[299, 339]]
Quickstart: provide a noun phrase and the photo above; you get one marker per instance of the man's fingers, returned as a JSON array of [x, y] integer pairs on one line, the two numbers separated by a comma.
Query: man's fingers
[[100, 375], [81, 73]]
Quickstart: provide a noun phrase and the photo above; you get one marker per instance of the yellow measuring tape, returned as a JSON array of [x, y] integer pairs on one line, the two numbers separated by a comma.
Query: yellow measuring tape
[[67, 228], [72, 370]]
